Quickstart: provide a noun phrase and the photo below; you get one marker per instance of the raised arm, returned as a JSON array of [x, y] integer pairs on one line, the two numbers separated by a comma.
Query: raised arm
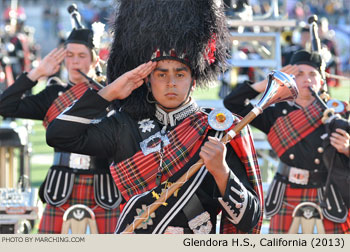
[[78, 129], [14, 104]]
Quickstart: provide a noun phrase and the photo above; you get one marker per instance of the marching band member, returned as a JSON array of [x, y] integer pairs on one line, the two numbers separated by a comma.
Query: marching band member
[[161, 51], [295, 132], [73, 178]]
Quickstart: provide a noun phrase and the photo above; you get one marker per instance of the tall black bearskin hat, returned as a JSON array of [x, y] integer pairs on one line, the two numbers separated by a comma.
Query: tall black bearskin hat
[[81, 36], [191, 31]]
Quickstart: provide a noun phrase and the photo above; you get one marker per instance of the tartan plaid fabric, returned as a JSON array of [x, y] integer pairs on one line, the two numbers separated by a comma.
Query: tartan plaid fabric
[[345, 226], [244, 147], [137, 174], [63, 101], [281, 222], [290, 129], [191, 133], [83, 193]]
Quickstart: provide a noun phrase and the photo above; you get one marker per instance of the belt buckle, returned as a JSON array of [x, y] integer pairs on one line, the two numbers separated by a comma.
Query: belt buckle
[[78, 161], [298, 176]]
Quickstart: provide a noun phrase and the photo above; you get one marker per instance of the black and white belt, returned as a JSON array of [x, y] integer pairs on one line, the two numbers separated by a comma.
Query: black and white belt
[[302, 177], [73, 161]]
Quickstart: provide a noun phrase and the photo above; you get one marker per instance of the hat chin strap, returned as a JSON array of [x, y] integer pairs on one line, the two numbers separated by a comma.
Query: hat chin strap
[[182, 103]]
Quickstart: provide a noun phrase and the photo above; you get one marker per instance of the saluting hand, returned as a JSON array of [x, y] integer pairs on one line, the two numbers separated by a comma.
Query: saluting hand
[[341, 141], [129, 81], [49, 65], [213, 153], [290, 69]]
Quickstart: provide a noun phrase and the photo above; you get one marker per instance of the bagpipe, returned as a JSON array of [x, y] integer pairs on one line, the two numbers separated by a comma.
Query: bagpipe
[[80, 218], [337, 164], [98, 30], [138, 213]]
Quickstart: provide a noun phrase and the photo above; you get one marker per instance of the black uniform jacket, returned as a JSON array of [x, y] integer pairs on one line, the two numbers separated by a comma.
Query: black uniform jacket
[[119, 137], [13, 103], [306, 154]]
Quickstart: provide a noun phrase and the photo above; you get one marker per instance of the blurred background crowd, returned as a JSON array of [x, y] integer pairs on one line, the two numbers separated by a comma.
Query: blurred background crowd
[[46, 23]]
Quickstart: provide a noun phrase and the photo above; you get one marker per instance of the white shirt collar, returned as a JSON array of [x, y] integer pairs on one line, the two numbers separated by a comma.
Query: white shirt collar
[[173, 117]]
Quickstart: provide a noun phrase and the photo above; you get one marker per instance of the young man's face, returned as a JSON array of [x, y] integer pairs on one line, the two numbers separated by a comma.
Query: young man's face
[[306, 77], [170, 83], [78, 57]]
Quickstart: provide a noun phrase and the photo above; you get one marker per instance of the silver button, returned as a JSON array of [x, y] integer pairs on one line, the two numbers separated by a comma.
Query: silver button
[[291, 156], [317, 161], [60, 93], [284, 111], [320, 149]]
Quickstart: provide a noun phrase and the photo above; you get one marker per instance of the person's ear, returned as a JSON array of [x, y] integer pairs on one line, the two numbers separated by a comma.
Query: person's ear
[[193, 87]]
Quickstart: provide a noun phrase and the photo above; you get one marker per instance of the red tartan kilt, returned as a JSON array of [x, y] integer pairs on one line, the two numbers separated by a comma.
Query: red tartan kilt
[[83, 193], [281, 222]]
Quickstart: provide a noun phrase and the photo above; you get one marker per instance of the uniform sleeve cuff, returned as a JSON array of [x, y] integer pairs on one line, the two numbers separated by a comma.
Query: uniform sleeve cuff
[[23, 79], [235, 199]]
